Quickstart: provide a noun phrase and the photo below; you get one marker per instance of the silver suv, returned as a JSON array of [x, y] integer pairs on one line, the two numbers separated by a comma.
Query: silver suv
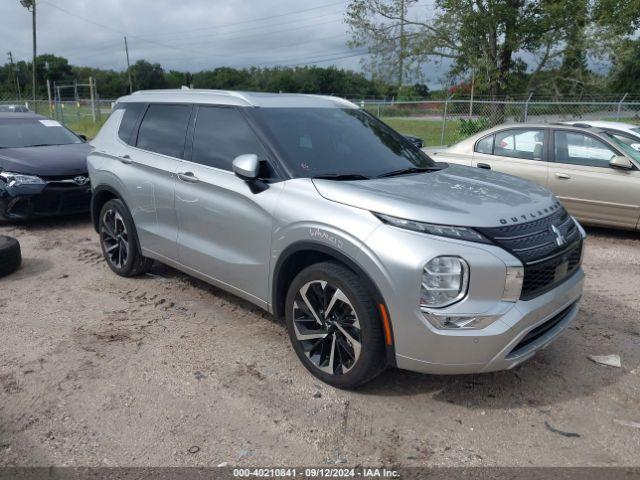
[[316, 211]]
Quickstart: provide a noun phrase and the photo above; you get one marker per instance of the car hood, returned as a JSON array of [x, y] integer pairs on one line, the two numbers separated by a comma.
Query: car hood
[[455, 195], [50, 161]]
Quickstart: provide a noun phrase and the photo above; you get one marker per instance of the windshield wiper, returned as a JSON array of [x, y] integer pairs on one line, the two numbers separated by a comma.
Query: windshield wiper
[[342, 176], [406, 171]]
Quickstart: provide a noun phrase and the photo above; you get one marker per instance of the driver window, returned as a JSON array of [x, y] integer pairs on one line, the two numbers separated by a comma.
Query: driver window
[[580, 149]]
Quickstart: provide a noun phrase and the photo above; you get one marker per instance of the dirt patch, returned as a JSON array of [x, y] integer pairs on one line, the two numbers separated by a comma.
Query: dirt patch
[[101, 370]]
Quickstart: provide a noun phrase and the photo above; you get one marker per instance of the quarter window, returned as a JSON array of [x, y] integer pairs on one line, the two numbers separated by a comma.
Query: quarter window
[[132, 112], [163, 129], [580, 149], [221, 134], [485, 145], [525, 144]]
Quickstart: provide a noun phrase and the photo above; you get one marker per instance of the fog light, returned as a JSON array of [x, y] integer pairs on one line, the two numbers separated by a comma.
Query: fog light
[[444, 282], [460, 322]]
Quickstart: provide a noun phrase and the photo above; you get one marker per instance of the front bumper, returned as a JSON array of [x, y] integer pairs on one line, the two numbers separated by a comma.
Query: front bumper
[[528, 327], [52, 199], [519, 330]]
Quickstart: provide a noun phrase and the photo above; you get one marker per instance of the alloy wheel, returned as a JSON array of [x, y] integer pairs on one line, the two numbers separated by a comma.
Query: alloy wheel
[[115, 238], [327, 327]]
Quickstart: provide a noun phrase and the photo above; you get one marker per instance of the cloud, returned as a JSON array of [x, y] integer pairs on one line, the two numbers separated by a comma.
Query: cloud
[[188, 36]]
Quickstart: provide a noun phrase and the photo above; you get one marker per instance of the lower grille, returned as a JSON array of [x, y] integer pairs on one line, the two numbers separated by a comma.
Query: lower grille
[[539, 331]]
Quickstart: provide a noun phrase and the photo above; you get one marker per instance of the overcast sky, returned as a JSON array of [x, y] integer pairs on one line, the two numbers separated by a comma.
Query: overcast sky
[[185, 35]]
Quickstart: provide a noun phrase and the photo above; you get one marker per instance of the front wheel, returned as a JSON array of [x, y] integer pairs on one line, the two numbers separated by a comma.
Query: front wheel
[[119, 241], [334, 326]]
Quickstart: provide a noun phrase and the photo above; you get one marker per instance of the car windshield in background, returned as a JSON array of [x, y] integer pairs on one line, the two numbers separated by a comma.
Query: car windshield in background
[[628, 149], [32, 132], [334, 143]]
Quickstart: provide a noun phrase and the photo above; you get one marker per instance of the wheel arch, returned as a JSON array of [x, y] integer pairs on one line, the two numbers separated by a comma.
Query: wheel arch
[[300, 255], [101, 195]]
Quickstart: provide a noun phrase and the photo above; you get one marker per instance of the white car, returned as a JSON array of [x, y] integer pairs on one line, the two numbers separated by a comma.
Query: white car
[[625, 132]]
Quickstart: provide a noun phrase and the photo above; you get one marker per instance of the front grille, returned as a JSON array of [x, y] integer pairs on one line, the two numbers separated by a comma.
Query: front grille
[[543, 276], [539, 331], [534, 240], [535, 243]]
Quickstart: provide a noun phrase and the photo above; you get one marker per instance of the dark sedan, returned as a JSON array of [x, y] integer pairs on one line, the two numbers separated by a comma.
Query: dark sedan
[[43, 168]]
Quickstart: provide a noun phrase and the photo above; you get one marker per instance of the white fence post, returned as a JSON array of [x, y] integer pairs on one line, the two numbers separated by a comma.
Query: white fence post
[[526, 107], [620, 105], [444, 118]]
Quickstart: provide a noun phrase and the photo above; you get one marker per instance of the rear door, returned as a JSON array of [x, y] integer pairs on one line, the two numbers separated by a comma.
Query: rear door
[[583, 180], [224, 223], [148, 165], [517, 151]]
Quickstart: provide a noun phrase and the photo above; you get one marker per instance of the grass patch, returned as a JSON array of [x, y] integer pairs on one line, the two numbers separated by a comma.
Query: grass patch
[[86, 126], [430, 131]]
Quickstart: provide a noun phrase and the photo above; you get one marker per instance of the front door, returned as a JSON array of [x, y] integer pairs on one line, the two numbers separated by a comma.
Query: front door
[[590, 188], [517, 151], [224, 223]]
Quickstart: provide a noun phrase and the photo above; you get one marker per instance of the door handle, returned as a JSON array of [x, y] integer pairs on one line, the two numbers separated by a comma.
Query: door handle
[[486, 166], [188, 177], [562, 176], [126, 159]]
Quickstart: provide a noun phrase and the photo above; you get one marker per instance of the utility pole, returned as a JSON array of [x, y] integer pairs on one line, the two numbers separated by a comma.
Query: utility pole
[[403, 45], [15, 76], [31, 6], [126, 49]]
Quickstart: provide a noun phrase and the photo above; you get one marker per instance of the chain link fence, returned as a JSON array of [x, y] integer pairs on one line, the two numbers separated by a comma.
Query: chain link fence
[[444, 122], [437, 122]]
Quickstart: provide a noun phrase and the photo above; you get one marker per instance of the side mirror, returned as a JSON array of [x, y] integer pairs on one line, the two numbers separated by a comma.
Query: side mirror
[[82, 136], [246, 166], [621, 162], [418, 142]]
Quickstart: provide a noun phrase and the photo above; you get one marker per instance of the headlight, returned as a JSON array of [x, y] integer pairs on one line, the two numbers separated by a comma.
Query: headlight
[[461, 233], [17, 179], [444, 282]]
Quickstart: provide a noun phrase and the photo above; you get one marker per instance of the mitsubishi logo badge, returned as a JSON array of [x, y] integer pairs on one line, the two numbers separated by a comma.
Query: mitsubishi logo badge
[[560, 240]]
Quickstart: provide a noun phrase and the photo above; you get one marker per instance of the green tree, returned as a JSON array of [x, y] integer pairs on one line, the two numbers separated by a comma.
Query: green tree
[[488, 37], [147, 75]]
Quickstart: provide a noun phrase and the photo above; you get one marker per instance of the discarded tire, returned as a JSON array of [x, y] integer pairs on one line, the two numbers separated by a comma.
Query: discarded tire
[[10, 256]]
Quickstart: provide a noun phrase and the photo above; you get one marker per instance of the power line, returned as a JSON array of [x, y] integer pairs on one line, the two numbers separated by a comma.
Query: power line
[[250, 20]]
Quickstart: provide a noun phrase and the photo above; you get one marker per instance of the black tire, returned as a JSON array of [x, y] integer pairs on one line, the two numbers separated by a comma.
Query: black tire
[[10, 255], [124, 232], [370, 358]]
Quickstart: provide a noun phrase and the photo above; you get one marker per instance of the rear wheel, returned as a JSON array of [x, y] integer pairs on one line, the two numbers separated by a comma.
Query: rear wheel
[[333, 325], [119, 241]]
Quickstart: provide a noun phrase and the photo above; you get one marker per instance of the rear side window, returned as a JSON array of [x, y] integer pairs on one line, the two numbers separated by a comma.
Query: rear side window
[[132, 112], [221, 134], [164, 128], [521, 143], [485, 145]]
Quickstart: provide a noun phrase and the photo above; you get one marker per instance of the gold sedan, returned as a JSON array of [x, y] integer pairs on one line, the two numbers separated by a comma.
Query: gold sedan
[[594, 173]]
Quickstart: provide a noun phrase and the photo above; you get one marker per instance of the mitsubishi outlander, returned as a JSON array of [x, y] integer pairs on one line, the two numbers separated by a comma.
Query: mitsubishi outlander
[[313, 209]]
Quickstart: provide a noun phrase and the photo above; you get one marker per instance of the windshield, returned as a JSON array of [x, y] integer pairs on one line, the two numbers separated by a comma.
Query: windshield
[[635, 130], [628, 149], [29, 132], [318, 142]]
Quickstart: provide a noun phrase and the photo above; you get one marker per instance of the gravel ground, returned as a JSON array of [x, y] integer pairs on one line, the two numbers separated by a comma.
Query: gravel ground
[[164, 370]]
